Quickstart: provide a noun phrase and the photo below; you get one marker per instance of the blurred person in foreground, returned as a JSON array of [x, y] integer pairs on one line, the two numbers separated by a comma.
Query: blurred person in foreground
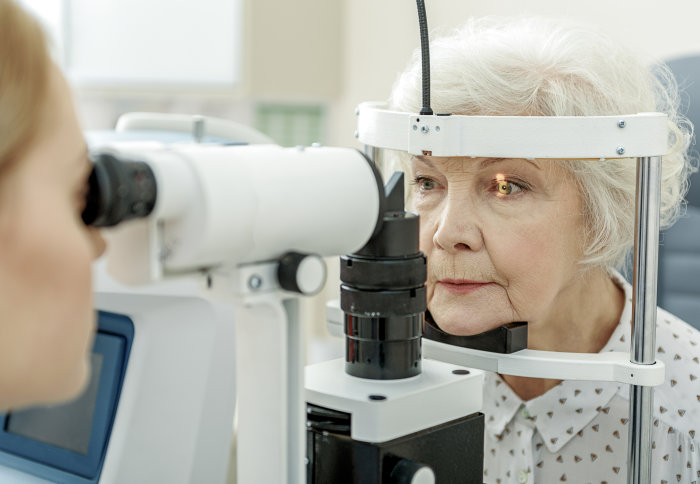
[[47, 321], [541, 241]]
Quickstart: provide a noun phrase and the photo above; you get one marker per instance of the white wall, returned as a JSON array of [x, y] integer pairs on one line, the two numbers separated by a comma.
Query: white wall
[[291, 53], [381, 34]]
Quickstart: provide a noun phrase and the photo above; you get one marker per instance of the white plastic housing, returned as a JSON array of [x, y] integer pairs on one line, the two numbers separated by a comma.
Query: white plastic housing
[[230, 205], [178, 394], [434, 397], [560, 137]]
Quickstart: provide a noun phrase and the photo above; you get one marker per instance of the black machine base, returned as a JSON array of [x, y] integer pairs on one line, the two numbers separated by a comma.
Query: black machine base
[[454, 451]]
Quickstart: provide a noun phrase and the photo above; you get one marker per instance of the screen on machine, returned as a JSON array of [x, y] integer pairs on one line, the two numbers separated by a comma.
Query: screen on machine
[[67, 426]]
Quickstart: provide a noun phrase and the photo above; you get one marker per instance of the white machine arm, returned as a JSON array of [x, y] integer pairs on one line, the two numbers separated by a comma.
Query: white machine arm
[[561, 137], [611, 366], [231, 205]]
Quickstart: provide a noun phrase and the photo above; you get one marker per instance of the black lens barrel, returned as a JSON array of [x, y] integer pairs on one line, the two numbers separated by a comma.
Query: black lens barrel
[[383, 297], [118, 190]]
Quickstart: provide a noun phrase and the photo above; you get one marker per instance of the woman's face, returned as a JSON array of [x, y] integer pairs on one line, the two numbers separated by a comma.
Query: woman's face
[[502, 237], [47, 322]]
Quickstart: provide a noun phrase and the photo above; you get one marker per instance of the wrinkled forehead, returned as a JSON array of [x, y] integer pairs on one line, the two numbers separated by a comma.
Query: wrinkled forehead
[[458, 164]]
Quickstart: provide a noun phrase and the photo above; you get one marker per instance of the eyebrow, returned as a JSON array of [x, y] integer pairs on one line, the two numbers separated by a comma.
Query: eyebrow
[[491, 161]]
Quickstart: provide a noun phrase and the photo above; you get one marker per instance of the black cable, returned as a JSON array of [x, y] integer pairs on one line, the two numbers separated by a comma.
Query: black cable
[[425, 57]]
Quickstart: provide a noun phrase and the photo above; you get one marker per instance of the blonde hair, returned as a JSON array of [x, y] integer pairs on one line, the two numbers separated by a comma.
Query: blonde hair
[[24, 78], [546, 67]]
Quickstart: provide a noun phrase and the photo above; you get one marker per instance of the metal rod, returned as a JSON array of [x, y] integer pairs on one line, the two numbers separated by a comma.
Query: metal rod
[[371, 153], [296, 406], [646, 252]]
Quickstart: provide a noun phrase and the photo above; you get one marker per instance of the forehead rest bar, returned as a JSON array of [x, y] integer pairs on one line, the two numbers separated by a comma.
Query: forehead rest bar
[[554, 137]]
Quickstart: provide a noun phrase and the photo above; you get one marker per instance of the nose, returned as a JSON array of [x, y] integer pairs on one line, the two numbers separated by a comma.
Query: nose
[[97, 241], [458, 227]]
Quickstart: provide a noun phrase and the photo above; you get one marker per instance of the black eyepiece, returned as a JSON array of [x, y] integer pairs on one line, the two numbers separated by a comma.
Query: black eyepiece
[[119, 190]]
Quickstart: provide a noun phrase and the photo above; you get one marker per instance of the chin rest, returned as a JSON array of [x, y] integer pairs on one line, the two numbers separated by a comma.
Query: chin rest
[[508, 338]]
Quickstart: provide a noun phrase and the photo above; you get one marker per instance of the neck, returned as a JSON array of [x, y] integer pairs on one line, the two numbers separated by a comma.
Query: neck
[[581, 320]]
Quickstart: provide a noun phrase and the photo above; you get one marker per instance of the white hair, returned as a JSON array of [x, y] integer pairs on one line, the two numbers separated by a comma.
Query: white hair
[[544, 67]]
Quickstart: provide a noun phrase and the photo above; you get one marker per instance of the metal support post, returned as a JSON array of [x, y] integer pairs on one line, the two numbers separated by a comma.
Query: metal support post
[[371, 153], [646, 250]]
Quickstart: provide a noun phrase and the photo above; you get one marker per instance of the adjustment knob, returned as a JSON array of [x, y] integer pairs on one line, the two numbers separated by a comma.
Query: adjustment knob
[[301, 273], [411, 472]]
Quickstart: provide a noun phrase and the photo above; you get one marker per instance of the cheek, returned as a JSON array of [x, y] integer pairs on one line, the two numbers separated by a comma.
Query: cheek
[[49, 296], [535, 255], [425, 242], [518, 247], [425, 236], [67, 282], [427, 225]]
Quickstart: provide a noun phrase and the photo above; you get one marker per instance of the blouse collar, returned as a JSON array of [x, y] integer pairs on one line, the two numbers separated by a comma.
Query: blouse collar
[[569, 407]]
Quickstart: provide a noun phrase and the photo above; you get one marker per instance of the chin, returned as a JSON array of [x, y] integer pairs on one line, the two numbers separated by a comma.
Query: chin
[[463, 324], [462, 328], [73, 384], [469, 314], [50, 388], [466, 319]]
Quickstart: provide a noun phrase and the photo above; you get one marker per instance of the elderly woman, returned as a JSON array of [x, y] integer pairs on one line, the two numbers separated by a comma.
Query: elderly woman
[[46, 315], [540, 240]]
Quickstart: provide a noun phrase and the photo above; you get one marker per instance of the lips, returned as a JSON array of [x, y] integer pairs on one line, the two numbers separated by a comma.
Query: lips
[[461, 286]]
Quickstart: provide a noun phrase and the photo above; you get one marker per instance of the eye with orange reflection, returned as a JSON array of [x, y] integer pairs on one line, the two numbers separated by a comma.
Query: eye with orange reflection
[[507, 187]]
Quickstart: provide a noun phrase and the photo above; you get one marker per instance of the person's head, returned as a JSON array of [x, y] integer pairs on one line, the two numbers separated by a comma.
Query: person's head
[[46, 315], [532, 228]]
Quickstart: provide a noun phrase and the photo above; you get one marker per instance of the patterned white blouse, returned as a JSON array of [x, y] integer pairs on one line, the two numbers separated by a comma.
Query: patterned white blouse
[[577, 431]]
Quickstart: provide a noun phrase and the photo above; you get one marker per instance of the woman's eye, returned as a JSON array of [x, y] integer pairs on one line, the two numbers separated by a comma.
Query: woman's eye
[[507, 188], [424, 184]]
